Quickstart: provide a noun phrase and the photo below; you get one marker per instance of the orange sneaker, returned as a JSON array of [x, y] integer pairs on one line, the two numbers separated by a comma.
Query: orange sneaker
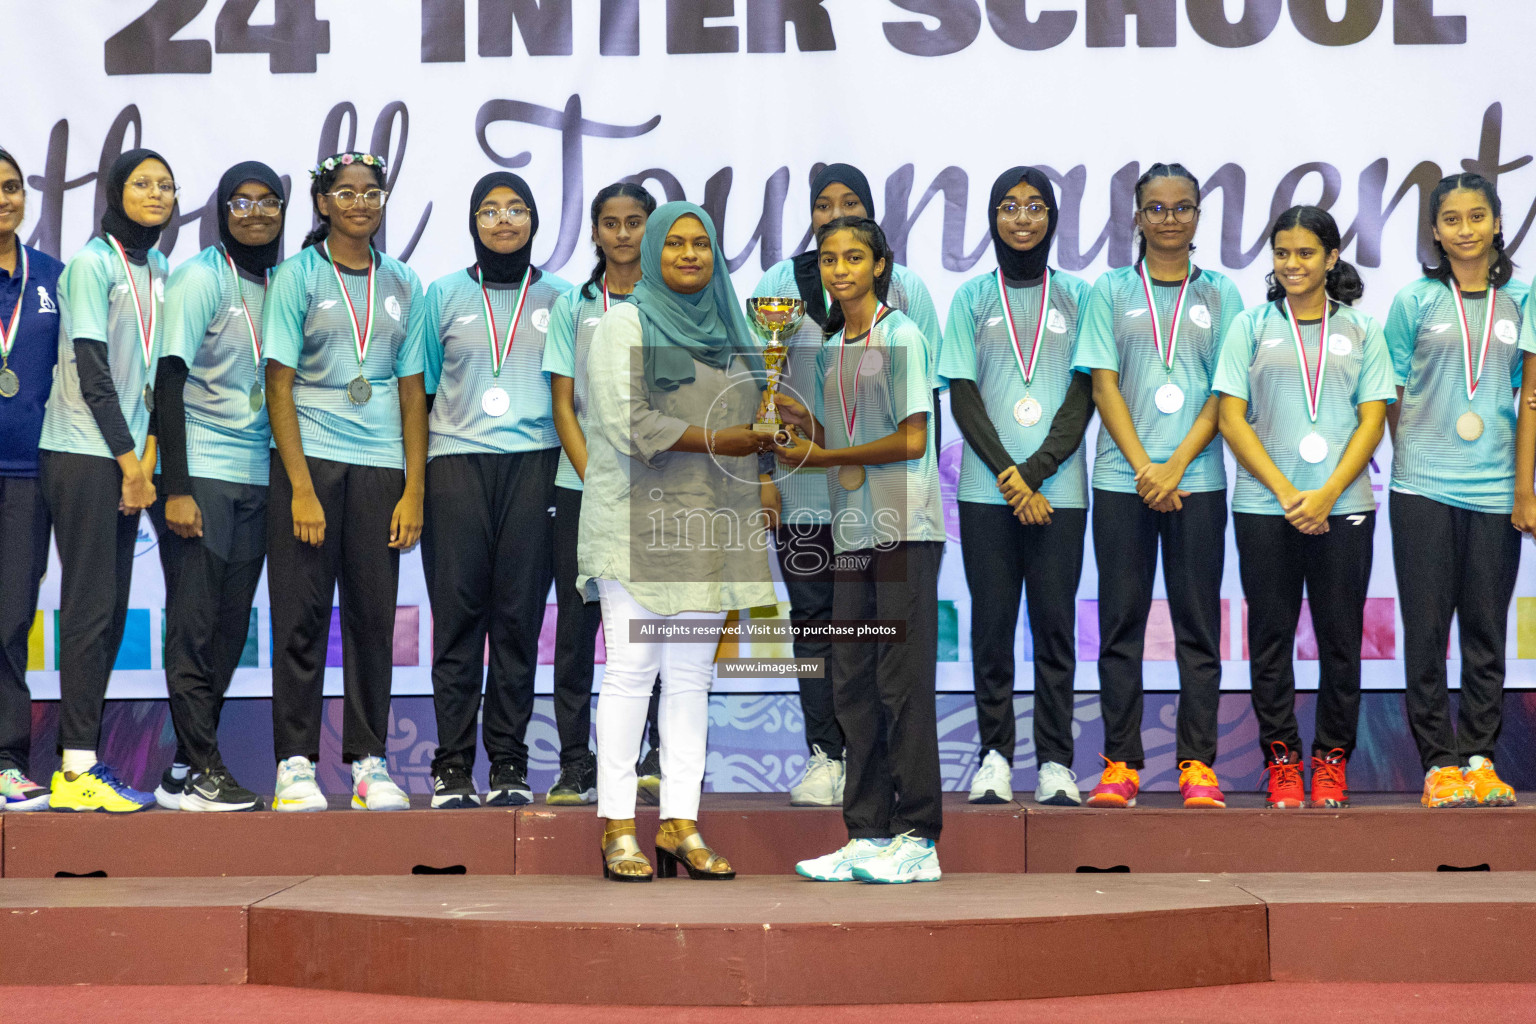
[[1487, 788], [1445, 787], [1329, 786], [1198, 785], [1117, 787], [1285, 783]]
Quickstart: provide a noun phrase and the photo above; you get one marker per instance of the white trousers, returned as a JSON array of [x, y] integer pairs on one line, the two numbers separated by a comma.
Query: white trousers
[[687, 670]]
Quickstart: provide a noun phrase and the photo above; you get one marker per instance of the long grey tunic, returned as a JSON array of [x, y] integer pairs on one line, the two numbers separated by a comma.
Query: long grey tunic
[[681, 531]]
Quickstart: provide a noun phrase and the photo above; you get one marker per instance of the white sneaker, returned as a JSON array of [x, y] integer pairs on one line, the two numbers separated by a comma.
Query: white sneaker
[[993, 783], [374, 790], [822, 784], [838, 866], [906, 859], [296, 787], [1057, 785]]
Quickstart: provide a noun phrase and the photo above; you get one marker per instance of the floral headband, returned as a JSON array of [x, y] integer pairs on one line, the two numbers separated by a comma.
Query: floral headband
[[330, 163]]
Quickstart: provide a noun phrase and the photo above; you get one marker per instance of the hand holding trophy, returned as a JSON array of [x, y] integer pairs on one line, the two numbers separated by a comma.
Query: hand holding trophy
[[775, 318]]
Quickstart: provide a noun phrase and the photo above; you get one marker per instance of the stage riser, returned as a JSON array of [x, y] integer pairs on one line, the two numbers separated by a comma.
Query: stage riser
[[764, 836]]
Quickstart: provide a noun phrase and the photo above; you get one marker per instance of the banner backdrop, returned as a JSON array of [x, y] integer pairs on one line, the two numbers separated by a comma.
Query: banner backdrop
[[1359, 105]]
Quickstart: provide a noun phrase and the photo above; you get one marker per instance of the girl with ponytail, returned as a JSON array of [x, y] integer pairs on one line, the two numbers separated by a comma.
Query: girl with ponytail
[[1304, 382], [1457, 484], [348, 411], [1149, 335]]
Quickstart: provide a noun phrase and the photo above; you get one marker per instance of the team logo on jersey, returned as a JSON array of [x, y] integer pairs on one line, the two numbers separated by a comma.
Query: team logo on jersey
[[1506, 331], [591, 321], [1200, 316], [1272, 342], [1340, 345], [1056, 322], [160, 289], [1439, 328], [994, 321], [467, 319], [1131, 313], [327, 303], [45, 301], [392, 307], [541, 320]]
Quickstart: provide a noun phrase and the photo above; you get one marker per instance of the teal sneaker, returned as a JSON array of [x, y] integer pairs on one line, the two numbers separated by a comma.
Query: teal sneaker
[[906, 859]]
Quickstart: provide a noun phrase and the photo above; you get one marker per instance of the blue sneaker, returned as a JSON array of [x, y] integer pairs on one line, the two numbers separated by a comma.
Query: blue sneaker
[[906, 859], [838, 866]]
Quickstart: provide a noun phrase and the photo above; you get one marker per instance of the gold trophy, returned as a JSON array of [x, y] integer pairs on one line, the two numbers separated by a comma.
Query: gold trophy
[[776, 318]]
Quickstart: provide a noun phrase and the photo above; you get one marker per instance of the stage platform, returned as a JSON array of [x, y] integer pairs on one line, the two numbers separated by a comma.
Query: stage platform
[[763, 835], [765, 940]]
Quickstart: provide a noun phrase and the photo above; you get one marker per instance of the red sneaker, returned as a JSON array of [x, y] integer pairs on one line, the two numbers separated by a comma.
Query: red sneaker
[[1328, 786], [1285, 787]]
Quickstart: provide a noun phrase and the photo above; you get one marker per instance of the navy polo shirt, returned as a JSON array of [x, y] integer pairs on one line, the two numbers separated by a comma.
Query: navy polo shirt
[[33, 358]]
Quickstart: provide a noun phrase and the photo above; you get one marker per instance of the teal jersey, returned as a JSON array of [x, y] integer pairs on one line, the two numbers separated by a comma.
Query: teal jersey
[[898, 501], [1424, 336], [1116, 334], [977, 347], [309, 327], [805, 497], [572, 323], [206, 327], [96, 303], [452, 334], [1258, 364]]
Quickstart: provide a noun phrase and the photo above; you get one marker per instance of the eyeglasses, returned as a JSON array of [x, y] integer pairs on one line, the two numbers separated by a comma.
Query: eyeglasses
[[1031, 212], [1157, 213], [346, 198], [144, 186], [488, 217], [240, 206]]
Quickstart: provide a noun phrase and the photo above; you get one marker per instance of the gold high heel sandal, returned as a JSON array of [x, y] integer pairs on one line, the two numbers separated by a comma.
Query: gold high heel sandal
[[678, 842], [622, 859]]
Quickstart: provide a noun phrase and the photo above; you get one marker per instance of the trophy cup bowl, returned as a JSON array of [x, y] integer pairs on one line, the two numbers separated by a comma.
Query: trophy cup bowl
[[775, 318]]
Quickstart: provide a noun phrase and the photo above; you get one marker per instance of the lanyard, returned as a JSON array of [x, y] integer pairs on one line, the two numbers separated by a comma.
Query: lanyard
[[360, 333], [1165, 355], [1313, 390], [1027, 370], [499, 353], [849, 415], [146, 328], [8, 341], [249, 323], [1466, 337]]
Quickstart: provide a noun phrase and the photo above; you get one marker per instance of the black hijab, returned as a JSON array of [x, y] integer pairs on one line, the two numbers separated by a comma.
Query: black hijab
[[1022, 266], [135, 237], [502, 267], [807, 264], [255, 260]]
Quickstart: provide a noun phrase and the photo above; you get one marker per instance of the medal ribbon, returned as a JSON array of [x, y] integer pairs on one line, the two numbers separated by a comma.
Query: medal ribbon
[[605, 293], [360, 333], [850, 415], [1026, 370], [146, 332], [249, 323], [1157, 327], [1314, 391], [1466, 337], [8, 340], [499, 353]]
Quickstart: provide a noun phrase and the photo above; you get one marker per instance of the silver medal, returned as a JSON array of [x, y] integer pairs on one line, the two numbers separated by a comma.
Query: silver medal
[[258, 398], [359, 391], [1026, 411], [1469, 426], [1170, 398], [10, 384], [149, 398], [495, 402], [1313, 448]]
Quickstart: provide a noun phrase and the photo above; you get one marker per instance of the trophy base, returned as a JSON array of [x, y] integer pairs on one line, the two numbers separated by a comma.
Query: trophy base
[[767, 428]]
